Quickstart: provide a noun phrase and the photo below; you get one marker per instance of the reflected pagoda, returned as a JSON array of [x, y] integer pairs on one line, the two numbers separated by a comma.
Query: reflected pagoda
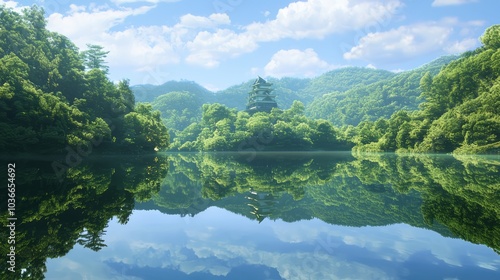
[[261, 204], [260, 98]]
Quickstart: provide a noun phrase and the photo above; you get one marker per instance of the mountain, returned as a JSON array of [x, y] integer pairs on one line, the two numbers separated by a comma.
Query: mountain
[[286, 89], [148, 93], [374, 100], [344, 79]]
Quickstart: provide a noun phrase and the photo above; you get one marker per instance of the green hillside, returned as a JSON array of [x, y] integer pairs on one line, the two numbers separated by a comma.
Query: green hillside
[[371, 101], [460, 112], [148, 93]]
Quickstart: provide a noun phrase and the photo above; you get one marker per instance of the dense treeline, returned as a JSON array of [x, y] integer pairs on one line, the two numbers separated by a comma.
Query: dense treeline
[[52, 95], [224, 129], [461, 111]]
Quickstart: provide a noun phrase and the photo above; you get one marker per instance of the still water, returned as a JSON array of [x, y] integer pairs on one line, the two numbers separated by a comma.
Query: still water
[[264, 216]]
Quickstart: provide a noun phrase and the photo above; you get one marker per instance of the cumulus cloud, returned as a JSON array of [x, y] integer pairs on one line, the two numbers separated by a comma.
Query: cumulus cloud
[[144, 48], [310, 19], [84, 25], [462, 46], [294, 62], [411, 40], [438, 3], [211, 21], [13, 5], [208, 48], [205, 40], [319, 18]]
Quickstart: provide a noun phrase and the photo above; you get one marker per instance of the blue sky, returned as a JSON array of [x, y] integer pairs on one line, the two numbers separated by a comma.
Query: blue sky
[[218, 43], [216, 242]]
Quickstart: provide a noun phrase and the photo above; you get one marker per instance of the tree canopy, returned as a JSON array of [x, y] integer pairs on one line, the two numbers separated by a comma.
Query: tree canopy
[[52, 95]]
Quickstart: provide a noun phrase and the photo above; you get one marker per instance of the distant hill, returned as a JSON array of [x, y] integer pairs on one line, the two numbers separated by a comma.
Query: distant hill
[[343, 79], [343, 96], [287, 89], [374, 100], [148, 93]]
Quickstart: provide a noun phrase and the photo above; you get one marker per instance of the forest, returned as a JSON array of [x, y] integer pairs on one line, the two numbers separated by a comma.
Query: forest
[[55, 97], [450, 105]]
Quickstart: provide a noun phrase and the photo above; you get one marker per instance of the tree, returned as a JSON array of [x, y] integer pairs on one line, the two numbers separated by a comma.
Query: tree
[[94, 58], [144, 129], [491, 37]]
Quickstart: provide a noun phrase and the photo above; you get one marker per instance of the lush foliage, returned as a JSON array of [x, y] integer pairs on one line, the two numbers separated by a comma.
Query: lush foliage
[[460, 112], [371, 101], [224, 129], [52, 96], [57, 212], [178, 109]]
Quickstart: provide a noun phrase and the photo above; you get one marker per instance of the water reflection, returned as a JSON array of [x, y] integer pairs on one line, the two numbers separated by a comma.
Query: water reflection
[[55, 213], [280, 216]]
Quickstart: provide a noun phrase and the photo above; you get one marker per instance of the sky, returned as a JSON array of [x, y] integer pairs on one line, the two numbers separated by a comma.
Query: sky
[[216, 242], [219, 43]]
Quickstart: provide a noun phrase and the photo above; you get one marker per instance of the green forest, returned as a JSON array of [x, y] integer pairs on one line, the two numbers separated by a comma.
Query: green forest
[[54, 96], [449, 105]]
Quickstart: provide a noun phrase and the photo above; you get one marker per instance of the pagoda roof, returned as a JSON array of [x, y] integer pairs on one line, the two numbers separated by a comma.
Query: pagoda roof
[[260, 81]]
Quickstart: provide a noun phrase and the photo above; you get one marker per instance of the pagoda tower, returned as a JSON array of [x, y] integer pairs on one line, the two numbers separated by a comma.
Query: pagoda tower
[[260, 98], [261, 204]]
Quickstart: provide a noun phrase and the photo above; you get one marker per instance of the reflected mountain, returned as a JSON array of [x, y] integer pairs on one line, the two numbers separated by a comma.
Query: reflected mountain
[[54, 213], [456, 197]]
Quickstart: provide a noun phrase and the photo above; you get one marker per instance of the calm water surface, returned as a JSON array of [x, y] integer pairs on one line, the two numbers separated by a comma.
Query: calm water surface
[[260, 216]]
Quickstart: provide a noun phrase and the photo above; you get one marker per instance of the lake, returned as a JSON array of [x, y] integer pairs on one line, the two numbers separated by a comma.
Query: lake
[[256, 216]]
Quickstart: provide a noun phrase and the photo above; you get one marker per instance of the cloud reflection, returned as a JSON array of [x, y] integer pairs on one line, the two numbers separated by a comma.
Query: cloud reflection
[[218, 244]]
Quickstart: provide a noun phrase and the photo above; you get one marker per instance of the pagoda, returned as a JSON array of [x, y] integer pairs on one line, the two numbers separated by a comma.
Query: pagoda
[[260, 98], [261, 204]]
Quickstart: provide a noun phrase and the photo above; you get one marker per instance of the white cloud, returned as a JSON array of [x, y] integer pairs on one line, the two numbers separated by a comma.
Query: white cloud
[[462, 46], [310, 19], [319, 18], [85, 25], [208, 48], [144, 48], [438, 3], [13, 5], [296, 63], [200, 40], [411, 40], [191, 21]]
